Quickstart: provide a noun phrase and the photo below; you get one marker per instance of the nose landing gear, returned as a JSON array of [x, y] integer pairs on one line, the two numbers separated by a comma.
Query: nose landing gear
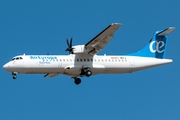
[[14, 74]]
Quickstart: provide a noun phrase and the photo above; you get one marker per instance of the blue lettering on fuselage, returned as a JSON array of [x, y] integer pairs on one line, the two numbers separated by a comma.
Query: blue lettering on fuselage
[[44, 62], [43, 57]]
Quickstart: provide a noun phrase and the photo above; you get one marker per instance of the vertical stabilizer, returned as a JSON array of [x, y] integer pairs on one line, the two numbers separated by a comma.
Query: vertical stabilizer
[[157, 45]]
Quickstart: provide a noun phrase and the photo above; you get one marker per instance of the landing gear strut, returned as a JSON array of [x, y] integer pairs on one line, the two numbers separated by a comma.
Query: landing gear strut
[[77, 81], [85, 71], [14, 74]]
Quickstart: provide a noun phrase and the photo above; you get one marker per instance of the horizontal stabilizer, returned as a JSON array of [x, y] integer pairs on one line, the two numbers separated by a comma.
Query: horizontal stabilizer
[[48, 75], [166, 31]]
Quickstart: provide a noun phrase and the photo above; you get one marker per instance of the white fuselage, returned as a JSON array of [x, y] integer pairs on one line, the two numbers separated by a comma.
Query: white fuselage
[[72, 64]]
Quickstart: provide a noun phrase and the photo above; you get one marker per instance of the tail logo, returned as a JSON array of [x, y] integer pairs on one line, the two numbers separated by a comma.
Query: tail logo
[[158, 46]]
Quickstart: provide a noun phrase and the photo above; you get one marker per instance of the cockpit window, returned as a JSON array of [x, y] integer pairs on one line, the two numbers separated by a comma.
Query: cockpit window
[[13, 59], [17, 58]]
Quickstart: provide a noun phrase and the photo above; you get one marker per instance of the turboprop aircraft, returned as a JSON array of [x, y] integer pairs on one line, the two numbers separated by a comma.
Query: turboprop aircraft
[[84, 61]]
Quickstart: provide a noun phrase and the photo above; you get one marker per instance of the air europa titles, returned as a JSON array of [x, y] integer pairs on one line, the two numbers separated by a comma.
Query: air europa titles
[[43, 57]]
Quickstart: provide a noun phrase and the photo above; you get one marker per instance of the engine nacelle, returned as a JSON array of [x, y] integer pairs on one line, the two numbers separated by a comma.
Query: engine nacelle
[[79, 49]]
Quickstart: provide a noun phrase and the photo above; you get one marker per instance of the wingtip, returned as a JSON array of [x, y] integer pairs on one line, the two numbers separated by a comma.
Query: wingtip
[[116, 24], [172, 28]]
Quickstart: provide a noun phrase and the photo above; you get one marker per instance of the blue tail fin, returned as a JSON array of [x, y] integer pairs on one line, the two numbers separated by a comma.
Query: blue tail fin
[[157, 45]]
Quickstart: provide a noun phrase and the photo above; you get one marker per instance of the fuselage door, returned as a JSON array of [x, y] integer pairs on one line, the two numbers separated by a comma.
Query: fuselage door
[[59, 63], [131, 62]]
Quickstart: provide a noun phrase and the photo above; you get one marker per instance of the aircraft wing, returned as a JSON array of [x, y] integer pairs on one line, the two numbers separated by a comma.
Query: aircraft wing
[[100, 41]]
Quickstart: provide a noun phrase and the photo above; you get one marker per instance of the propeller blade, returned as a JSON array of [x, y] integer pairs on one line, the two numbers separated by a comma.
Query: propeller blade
[[71, 43], [67, 42]]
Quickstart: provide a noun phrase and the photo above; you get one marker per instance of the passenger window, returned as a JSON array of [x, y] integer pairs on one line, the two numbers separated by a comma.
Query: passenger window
[[91, 59], [78, 60], [88, 60], [81, 60], [84, 59], [17, 58]]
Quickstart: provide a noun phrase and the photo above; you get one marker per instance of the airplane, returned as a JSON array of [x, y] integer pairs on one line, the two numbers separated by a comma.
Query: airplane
[[83, 60]]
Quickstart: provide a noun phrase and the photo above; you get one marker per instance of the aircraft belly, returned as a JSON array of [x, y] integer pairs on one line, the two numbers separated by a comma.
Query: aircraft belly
[[72, 71]]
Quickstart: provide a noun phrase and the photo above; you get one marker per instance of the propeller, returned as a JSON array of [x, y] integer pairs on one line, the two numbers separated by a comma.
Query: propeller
[[70, 49]]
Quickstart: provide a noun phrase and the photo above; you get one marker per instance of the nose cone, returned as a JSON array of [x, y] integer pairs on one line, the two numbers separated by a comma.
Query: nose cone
[[6, 66]]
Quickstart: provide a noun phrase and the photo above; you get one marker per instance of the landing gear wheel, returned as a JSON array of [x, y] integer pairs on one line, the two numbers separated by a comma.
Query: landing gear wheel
[[14, 76], [88, 73], [77, 81]]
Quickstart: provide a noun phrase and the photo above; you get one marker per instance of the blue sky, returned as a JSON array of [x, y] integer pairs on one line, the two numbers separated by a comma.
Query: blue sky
[[42, 26]]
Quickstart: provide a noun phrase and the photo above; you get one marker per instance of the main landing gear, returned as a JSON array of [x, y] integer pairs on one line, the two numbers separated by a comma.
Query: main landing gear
[[14, 74], [84, 72], [88, 73], [77, 81]]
